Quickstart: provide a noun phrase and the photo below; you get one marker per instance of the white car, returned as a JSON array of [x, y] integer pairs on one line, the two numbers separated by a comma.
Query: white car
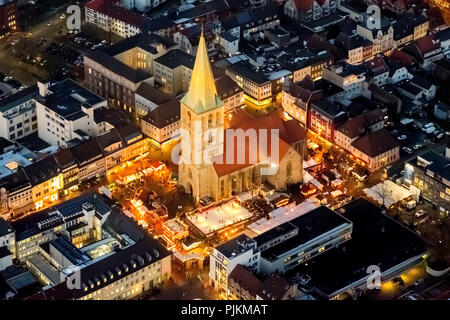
[[407, 150], [420, 213], [402, 137]]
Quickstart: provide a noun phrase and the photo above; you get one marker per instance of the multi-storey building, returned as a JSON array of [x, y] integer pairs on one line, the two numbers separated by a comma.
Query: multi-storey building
[[410, 27], [292, 243], [108, 15], [173, 71], [65, 111], [377, 72], [348, 77], [148, 98], [358, 126], [325, 116], [309, 10], [18, 117], [377, 149], [244, 285], [8, 17], [225, 257], [116, 72], [162, 124], [382, 37], [358, 49], [298, 97], [425, 50], [248, 22], [71, 238], [142, 5], [429, 173]]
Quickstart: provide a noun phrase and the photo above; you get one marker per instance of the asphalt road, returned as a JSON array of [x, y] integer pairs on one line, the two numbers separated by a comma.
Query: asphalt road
[[24, 72]]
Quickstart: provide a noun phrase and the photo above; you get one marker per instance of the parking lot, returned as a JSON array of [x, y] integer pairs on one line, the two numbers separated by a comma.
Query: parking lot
[[413, 138]]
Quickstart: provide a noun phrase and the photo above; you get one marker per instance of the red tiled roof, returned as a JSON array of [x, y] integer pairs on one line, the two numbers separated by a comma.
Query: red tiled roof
[[274, 286], [289, 133], [376, 143], [356, 126], [427, 44], [402, 57], [113, 9], [305, 5]]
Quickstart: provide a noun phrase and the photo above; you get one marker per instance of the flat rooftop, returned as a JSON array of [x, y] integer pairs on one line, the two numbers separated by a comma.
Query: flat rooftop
[[11, 161], [280, 216], [376, 240], [219, 217], [236, 246], [67, 97], [310, 225]]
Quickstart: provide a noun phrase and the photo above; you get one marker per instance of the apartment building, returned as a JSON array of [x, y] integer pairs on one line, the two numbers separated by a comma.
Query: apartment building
[[116, 72], [173, 71], [428, 173], [358, 126], [348, 77], [18, 117], [111, 17], [225, 257], [377, 149], [382, 38], [8, 17], [162, 124], [65, 111]]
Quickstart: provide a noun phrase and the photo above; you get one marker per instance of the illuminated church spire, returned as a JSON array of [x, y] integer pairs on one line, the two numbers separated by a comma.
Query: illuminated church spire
[[202, 95]]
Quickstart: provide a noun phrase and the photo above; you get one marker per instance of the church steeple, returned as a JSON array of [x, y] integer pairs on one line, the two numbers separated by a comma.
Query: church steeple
[[202, 95]]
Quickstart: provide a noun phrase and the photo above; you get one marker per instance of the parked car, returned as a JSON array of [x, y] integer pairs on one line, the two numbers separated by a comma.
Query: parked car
[[417, 146], [420, 213], [407, 150], [402, 137], [418, 282], [413, 296]]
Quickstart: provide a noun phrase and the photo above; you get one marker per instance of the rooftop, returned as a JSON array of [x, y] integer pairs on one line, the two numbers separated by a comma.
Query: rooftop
[[375, 143], [236, 246], [152, 94], [175, 58], [67, 97], [164, 114], [341, 266], [309, 225], [69, 251], [18, 98], [434, 162]]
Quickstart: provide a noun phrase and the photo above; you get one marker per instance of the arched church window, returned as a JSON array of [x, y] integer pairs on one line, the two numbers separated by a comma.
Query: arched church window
[[210, 121], [289, 169]]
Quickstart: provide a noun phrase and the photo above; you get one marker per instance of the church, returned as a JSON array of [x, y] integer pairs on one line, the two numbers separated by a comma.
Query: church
[[236, 151]]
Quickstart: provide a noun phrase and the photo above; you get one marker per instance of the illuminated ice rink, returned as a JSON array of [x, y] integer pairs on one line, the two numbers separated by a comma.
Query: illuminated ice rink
[[219, 217]]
